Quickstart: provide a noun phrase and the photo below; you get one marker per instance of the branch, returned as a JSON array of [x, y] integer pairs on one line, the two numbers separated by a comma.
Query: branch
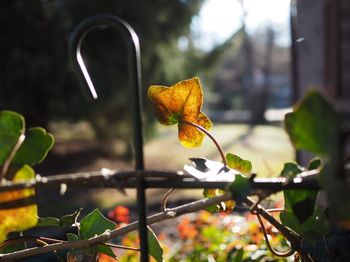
[[170, 213]]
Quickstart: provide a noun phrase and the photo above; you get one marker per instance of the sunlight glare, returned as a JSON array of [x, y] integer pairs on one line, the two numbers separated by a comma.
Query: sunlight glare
[[219, 19]]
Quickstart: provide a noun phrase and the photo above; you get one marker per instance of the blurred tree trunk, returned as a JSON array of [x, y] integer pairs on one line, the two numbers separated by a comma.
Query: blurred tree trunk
[[262, 93], [248, 83]]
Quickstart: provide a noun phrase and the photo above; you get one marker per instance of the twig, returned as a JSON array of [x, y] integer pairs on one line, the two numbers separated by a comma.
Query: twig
[[43, 241], [272, 250], [120, 246], [165, 199], [272, 210], [329, 251], [10, 242]]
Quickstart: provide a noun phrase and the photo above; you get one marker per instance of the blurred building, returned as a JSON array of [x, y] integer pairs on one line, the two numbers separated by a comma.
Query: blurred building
[[322, 48]]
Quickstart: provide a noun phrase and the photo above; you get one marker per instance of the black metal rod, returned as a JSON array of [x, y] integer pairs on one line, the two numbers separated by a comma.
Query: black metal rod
[[194, 184], [154, 179], [134, 64]]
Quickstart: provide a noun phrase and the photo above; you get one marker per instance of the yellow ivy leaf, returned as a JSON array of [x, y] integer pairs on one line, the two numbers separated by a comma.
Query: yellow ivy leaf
[[18, 218], [181, 104]]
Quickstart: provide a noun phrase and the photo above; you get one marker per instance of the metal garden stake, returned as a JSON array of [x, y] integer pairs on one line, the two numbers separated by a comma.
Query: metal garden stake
[[134, 57]]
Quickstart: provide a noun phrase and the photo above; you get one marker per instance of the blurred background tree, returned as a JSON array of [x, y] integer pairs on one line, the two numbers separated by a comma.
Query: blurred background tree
[[36, 78]]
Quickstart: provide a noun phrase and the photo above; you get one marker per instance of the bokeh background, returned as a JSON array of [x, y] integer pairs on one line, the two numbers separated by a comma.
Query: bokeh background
[[239, 49]]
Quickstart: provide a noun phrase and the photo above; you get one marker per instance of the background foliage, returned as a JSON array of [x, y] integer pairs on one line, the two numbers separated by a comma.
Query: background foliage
[[36, 78]]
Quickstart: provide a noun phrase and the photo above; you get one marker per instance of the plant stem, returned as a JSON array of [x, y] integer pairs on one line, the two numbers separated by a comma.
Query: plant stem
[[294, 239], [120, 246], [202, 129], [165, 199], [268, 244]]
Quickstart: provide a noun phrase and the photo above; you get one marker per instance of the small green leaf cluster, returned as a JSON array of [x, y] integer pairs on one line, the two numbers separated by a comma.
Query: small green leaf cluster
[[315, 126]]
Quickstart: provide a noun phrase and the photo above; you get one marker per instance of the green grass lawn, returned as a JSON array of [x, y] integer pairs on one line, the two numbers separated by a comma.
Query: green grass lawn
[[267, 147]]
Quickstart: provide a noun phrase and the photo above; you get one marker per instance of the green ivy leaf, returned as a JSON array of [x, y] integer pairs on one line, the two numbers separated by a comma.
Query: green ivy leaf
[[317, 127], [64, 221], [290, 170], [300, 211], [239, 164], [314, 124], [155, 249], [48, 222], [315, 226], [337, 189], [12, 248], [95, 224], [240, 188], [70, 219], [11, 128], [106, 250], [34, 148], [72, 237], [315, 163]]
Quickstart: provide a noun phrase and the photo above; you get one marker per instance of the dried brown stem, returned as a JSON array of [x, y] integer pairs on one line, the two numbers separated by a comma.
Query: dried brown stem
[[165, 199]]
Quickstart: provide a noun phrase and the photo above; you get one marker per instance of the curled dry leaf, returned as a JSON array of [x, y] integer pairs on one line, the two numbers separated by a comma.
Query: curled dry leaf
[[181, 104]]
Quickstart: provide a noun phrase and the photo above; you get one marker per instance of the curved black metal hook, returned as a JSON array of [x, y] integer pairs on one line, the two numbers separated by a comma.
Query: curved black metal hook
[[132, 41], [75, 41]]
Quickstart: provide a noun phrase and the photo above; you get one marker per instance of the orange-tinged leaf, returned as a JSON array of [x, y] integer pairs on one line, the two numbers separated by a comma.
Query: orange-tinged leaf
[[18, 218], [181, 104]]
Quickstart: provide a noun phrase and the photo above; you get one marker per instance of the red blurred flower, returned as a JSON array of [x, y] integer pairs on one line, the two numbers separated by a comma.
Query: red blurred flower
[[186, 229], [119, 214]]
